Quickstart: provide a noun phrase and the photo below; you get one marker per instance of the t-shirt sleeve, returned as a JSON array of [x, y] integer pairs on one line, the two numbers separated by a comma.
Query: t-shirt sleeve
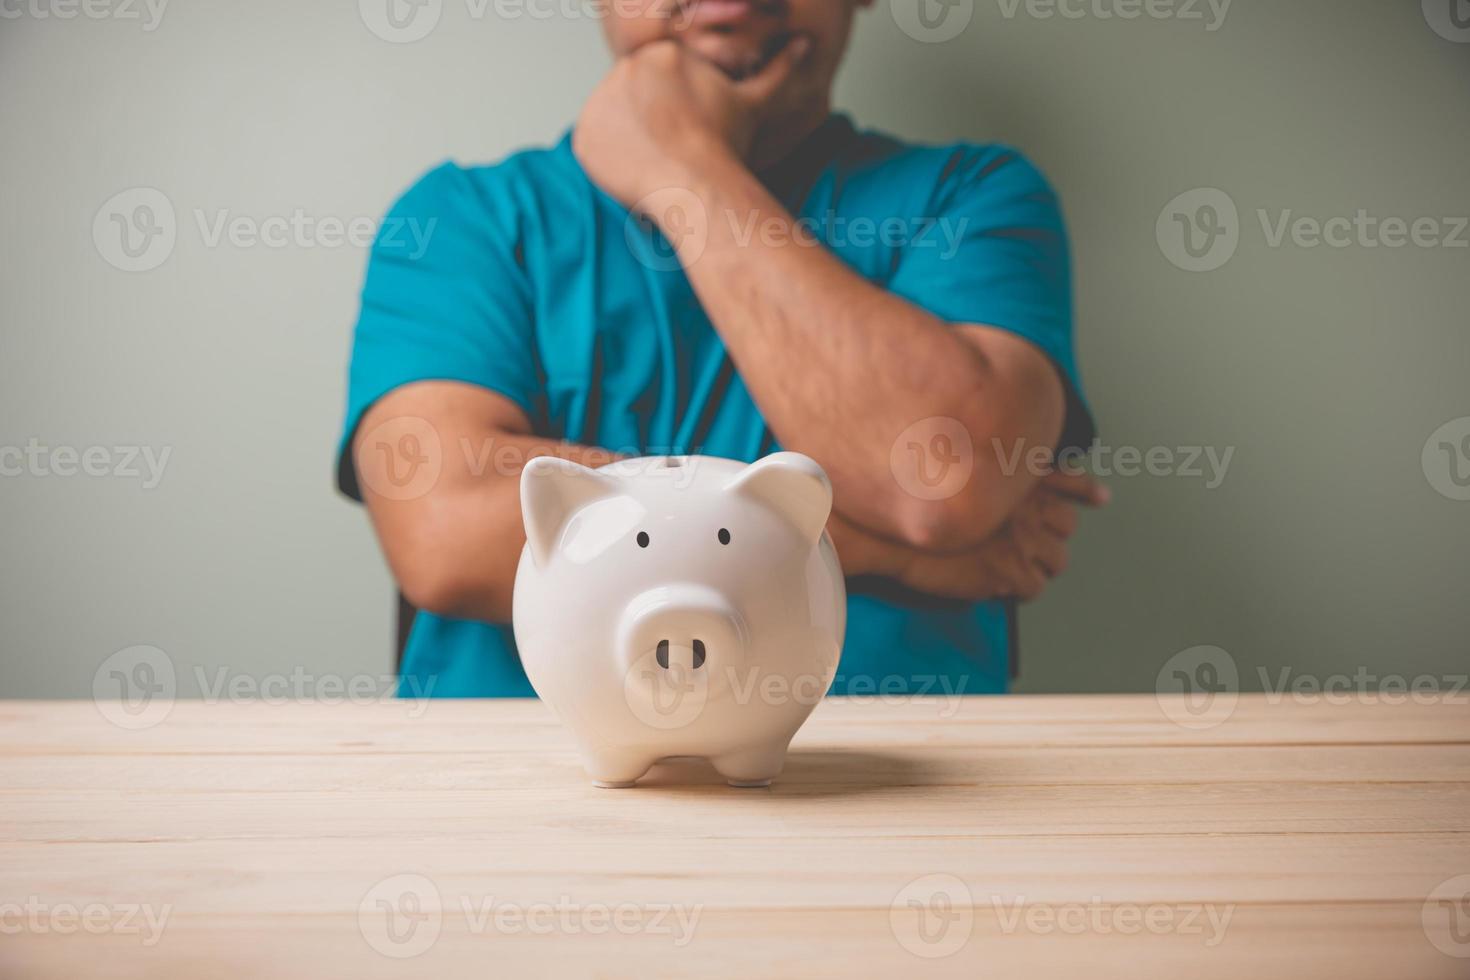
[[445, 298], [997, 255]]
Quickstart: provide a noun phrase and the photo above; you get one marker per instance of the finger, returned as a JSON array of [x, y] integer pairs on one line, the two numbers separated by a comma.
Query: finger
[[1030, 582], [1050, 555], [1058, 514], [1025, 579], [1081, 487], [765, 83]]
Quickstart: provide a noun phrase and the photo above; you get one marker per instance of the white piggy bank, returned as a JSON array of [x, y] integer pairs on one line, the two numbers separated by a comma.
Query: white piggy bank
[[679, 606]]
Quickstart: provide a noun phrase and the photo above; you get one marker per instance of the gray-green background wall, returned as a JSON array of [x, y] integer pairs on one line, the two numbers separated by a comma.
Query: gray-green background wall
[[1338, 541]]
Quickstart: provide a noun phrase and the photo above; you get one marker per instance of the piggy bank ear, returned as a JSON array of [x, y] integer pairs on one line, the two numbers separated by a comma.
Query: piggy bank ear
[[552, 490], [792, 485]]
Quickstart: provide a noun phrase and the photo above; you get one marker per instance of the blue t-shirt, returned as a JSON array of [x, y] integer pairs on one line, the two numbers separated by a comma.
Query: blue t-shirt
[[525, 278]]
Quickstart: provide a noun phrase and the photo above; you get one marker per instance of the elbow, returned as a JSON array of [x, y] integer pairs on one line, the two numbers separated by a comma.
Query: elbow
[[432, 590], [956, 523], [443, 591]]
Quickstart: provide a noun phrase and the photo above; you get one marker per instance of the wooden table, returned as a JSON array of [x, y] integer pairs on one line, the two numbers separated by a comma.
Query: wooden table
[[972, 837]]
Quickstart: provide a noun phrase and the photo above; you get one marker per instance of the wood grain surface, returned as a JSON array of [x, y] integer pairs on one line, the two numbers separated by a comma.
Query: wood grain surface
[[1026, 837]]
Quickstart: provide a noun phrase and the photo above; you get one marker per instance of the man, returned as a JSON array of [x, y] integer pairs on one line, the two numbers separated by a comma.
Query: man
[[655, 284]]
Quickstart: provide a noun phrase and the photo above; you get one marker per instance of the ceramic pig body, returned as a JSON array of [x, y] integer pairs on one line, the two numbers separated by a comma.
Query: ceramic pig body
[[679, 606]]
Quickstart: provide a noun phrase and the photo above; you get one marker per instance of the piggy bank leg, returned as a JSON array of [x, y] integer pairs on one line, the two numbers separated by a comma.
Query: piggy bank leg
[[751, 767], [615, 770]]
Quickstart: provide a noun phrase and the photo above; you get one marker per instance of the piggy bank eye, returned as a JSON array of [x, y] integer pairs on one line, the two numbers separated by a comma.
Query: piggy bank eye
[[724, 536], [643, 539]]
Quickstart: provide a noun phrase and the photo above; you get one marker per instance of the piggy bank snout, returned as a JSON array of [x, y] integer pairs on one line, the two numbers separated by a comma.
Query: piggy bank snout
[[682, 627]]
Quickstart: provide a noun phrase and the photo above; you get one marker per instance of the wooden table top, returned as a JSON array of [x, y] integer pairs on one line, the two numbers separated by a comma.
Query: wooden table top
[[997, 837]]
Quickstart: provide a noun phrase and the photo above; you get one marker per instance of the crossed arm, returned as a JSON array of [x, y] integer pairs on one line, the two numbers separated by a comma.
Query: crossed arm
[[454, 549]]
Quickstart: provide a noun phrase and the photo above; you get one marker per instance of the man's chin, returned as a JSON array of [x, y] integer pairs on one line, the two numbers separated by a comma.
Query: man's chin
[[737, 57]]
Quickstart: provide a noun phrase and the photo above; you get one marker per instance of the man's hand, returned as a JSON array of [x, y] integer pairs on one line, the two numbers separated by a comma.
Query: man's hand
[[663, 109], [1018, 560]]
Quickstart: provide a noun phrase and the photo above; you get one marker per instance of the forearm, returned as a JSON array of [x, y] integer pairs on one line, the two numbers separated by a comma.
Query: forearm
[[455, 545], [460, 557], [841, 368], [864, 553], [986, 572], [454, 548]]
